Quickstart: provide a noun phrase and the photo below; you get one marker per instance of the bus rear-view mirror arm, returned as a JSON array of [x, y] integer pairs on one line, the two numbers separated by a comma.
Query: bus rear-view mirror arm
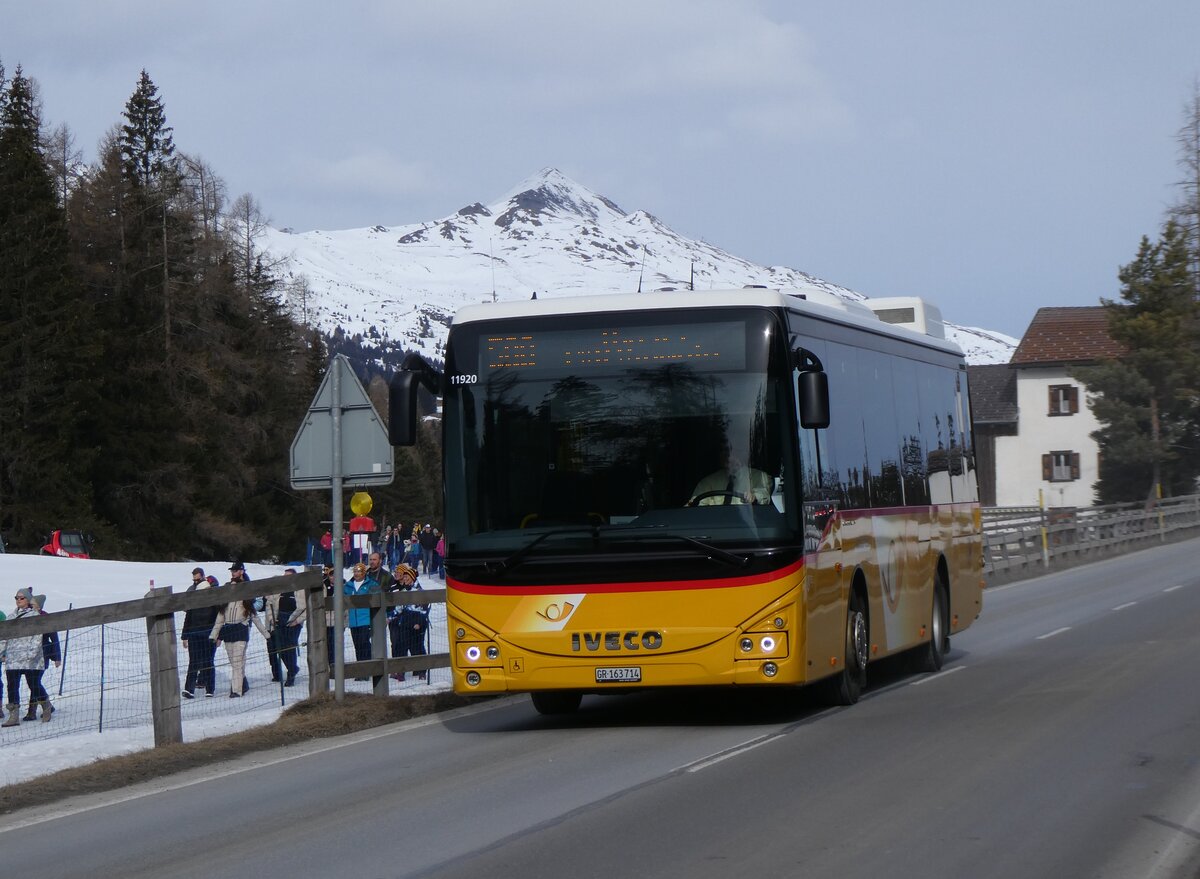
[[403, 389]]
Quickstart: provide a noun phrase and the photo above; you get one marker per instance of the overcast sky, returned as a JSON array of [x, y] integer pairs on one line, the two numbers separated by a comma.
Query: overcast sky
[[991, 157]]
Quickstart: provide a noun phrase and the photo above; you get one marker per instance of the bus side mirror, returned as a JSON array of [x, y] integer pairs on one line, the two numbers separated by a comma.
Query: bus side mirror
[[814, 399], [402, 408]]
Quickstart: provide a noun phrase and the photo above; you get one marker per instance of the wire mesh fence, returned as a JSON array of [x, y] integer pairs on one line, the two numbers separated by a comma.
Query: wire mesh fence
[[103, 683]]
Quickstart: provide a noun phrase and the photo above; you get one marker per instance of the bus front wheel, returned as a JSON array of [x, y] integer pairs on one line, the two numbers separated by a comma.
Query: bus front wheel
[[556, 702], [846, 686]]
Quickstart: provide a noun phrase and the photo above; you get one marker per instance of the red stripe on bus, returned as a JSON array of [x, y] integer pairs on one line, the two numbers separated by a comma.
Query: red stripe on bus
[[595, 588]]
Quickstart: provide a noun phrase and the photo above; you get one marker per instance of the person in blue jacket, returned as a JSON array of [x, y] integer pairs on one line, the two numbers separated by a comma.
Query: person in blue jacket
[[359, 618]]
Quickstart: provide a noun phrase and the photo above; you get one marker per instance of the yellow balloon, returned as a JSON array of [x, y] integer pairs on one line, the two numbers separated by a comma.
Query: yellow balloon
[[361, 503]]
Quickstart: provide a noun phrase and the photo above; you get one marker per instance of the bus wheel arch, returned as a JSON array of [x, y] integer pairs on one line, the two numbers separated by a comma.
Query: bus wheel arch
[[845, 687]]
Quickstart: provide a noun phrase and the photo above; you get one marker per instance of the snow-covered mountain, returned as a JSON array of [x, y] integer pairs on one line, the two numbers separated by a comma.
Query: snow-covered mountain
[[550, 236]]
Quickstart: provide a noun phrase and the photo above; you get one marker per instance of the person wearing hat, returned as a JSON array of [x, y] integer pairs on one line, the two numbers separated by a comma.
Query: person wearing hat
[[360, 617], [24, 658], [408, 623], [202, 652]]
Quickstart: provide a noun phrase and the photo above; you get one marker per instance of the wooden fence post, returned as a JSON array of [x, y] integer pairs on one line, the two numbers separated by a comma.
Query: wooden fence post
[[379, 641], [318, 642], [164, 675]]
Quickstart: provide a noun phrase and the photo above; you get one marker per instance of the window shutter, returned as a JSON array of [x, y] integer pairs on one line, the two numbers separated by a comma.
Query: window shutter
[[1050, 407], [1074, 465], [1047, 468], [1073, 400]]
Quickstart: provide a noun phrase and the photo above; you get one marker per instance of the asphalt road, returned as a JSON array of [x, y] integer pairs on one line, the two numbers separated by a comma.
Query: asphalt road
[[1061, 740]]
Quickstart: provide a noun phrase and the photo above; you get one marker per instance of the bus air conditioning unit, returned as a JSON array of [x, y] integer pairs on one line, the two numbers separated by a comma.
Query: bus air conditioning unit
[[911, 312]]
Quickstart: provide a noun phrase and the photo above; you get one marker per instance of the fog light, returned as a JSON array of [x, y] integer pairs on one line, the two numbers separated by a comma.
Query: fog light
[[493, 652], [473, 679], [473, 653], [460, 633], [770, 669], [747, 645], [779, 623], [768, 644]]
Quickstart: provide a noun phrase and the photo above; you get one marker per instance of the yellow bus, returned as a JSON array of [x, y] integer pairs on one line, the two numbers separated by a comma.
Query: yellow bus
[[744, 488]]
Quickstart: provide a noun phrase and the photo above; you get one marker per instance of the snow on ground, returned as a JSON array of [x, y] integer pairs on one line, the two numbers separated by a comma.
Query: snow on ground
[[102, 707]]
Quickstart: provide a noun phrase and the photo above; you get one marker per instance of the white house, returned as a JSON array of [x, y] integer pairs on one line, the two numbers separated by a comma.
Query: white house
[[1032, 422]]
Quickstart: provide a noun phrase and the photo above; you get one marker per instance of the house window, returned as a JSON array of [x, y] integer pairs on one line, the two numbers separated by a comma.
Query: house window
[[1064, 399], [1060, 466]]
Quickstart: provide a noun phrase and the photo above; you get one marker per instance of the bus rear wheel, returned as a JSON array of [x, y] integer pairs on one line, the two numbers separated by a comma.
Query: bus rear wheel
[[931, 657], [845, 687], [556, 702]]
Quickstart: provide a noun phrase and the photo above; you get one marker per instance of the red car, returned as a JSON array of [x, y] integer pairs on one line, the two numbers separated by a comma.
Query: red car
[[70, 544]]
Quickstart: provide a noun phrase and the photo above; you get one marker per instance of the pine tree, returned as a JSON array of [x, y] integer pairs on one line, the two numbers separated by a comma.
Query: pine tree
[[47, 352], [1186, 210], [147, 142], [1148, 402]]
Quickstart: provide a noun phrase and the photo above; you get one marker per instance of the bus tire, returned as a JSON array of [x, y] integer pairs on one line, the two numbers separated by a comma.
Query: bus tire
[[930, 657], [556, 701], [846, 686]]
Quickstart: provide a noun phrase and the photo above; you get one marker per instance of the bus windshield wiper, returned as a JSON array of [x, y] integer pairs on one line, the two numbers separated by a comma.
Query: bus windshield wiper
[[513, 560], [713, 552]]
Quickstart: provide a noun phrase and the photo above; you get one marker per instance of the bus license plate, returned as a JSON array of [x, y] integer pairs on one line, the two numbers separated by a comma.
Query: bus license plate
[[624, 675]]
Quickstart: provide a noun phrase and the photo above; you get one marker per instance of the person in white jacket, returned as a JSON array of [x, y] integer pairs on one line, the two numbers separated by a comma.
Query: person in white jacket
[[232, 627]]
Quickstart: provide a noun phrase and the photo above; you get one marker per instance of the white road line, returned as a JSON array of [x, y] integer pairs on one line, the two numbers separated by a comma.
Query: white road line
[[1052, 634], [940, 674], [255, 760], [1173, 588], [735, 751], [1125, 605]]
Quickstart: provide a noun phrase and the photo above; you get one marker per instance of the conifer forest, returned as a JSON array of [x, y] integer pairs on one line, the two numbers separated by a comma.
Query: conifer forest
[[151, 375]]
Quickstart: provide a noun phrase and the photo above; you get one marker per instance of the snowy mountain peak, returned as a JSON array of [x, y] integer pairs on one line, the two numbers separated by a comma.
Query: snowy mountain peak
[[548, 235], [552, 192]]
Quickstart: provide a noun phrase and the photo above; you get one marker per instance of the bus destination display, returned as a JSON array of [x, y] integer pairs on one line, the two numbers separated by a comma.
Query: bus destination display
[[703, 345]]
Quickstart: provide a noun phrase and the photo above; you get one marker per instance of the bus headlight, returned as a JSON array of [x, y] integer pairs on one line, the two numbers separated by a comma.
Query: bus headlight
[[493, 652], [747, 645], [770, 669], [473, 653], [767, 644], [473, 679]]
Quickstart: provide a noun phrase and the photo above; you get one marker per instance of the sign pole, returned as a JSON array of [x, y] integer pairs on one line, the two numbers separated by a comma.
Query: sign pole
[[339, 604]]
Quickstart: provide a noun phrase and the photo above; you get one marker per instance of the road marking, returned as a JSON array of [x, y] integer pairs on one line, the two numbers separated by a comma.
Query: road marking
[[735, 751], [940, 674], [1052, 634], [1125, 605], [251, 761], [1173, 588]]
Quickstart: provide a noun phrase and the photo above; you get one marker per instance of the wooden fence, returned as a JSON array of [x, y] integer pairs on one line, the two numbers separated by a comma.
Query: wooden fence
[[1025, 541], [159, 607]]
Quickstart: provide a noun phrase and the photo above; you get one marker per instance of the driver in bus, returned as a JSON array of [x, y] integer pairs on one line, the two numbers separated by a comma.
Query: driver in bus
[[732, 483]]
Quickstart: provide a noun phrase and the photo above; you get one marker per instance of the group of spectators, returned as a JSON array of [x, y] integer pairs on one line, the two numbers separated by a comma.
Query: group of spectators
[[424, 548], [206, 628], [407, 623], [27, 658], [279, 618]]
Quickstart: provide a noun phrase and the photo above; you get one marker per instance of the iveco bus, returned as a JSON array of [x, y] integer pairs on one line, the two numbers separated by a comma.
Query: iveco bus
[[743, 488]]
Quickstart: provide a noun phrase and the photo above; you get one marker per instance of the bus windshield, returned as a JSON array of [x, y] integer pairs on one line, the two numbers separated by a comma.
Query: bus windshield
[[636, 432]]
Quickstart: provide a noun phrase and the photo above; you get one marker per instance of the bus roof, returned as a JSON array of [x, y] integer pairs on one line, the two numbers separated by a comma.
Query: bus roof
[[816, 304]]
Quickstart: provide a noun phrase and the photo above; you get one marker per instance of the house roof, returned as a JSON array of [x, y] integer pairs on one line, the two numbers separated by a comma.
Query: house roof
[[1067, 335], [993, 393]]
